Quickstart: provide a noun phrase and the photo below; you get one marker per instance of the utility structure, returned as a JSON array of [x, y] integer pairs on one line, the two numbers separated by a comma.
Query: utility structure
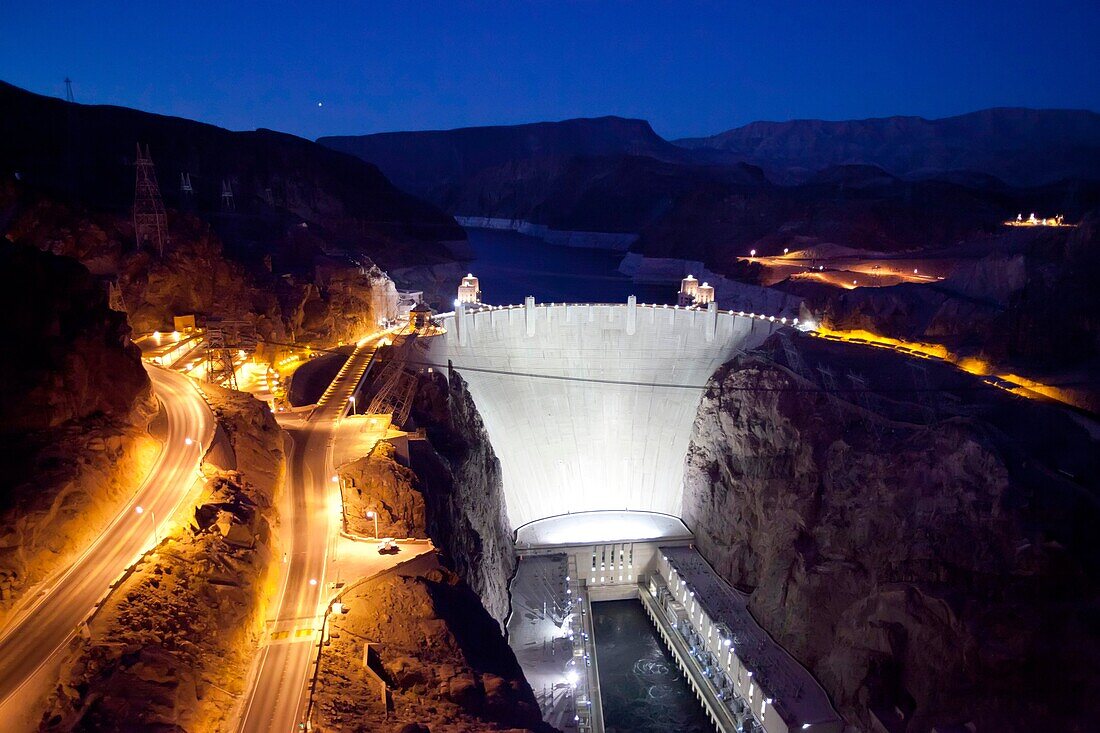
[[397, 384], [794, 359], [69, 90], [150, 220], [227, 196], [225, 340], [114, 297], [185, 184]]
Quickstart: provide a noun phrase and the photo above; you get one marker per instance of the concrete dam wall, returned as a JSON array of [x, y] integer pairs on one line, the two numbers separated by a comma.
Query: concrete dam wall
[[590, 407]]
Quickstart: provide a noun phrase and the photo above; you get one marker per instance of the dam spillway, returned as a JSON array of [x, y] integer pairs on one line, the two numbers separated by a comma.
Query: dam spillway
[[590, 406]]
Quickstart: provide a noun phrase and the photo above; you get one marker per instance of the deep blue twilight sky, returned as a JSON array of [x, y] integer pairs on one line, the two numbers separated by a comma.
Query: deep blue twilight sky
[[690, 68]]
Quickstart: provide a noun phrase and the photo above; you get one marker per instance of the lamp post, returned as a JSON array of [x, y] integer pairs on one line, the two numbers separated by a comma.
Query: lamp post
[[374, 515], [353, 404], [152, 516]]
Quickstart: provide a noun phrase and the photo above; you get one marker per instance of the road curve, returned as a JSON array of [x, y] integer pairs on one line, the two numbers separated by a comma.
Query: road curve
[[278, 692], [27, 644]]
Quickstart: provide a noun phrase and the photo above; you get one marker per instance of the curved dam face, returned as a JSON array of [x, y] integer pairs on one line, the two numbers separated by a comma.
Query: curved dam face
[[590, 407]]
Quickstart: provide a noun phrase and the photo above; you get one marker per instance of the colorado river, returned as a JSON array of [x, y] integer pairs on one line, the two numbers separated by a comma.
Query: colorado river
[[643, 690]]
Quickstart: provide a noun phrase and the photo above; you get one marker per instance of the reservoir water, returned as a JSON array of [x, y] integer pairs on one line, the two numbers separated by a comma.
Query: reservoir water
[[512, 266], [643, 690]]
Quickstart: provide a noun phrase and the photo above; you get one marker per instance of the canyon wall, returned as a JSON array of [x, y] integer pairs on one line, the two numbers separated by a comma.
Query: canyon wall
[[74, 410], [466, 514], [922, 547]]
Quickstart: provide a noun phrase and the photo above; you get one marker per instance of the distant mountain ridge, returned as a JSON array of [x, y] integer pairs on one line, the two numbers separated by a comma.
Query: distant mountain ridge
[[715, 201], [1023, 147], [427, 162]]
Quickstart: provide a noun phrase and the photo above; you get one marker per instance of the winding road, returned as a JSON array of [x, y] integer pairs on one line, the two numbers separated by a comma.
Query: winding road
[[278, 691], [39, 633]]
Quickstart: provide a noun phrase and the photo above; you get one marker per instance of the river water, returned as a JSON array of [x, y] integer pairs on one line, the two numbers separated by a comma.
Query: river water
[[643, 690], [511, 266]]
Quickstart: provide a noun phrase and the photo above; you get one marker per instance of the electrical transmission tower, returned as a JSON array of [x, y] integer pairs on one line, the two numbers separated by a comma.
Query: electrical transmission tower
[[150, 220], [185, 184], [114, 297], [794, 358], [869, 417], [828, 381], [227, 196], [69, 90], [224, 342], [925, 395], [397, 384]]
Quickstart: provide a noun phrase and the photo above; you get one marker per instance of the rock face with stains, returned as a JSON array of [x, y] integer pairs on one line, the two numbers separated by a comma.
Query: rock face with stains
[[918, 547], [417, 652]]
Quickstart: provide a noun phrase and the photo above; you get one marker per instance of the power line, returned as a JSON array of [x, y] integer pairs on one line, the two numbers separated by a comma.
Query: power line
[[701, 387]]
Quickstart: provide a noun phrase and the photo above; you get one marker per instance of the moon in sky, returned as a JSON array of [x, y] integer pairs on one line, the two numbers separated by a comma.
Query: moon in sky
[[320, 104]]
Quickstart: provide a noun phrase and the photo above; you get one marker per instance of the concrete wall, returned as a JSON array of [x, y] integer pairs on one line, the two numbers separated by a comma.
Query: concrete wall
[[590, 407]]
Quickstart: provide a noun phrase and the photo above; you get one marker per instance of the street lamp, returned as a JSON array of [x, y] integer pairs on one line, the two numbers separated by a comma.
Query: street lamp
[[152, 515], [353, 404], [374, 515]]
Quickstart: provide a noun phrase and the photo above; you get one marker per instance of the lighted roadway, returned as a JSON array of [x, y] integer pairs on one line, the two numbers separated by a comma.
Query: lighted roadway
[[310, 524], [31, 644]]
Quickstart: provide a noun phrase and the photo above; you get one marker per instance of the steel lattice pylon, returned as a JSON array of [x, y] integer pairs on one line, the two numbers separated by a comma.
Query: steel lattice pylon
[[150, 220], [397, 385]]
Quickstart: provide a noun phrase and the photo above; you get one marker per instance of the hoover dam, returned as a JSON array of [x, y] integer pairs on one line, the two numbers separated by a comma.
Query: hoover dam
[[590, 406]]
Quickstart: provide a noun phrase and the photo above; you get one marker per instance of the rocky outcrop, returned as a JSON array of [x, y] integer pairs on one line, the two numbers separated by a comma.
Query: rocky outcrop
[[319, 300], [76, 403], [415, 651], [464, 490], [378, 483], [169, 649], [72, 358], [918, 547]]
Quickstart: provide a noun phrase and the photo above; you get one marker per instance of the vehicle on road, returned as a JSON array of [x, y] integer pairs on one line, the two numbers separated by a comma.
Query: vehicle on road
[[388, 546]]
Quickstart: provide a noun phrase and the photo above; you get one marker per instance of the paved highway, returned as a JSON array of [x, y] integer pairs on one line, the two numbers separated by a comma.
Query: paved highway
[[309, 525], [33, 638]]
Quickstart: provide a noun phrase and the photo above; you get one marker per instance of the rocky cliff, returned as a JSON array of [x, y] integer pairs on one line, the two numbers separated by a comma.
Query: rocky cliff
[[436, 663], [275, 231], [378, 483], [1029, 305], [918, 542], [467, 518], [315, 298], [74, 409], [448, 486], [170, 648]]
